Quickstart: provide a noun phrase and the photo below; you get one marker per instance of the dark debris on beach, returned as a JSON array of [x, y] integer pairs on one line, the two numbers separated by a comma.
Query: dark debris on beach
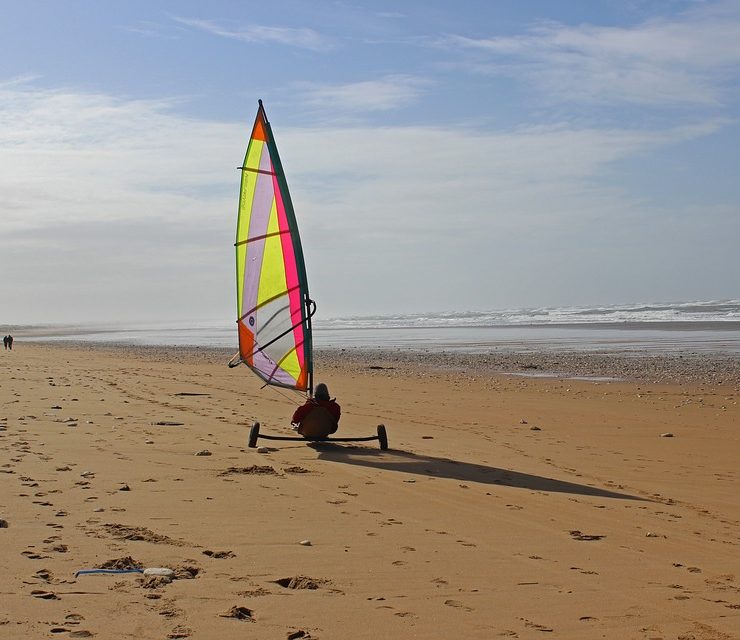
[[672, 368], [708, 368]]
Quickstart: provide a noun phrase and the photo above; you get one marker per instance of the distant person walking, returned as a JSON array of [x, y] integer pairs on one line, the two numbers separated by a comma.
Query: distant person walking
[[10, 342], [5, 342]]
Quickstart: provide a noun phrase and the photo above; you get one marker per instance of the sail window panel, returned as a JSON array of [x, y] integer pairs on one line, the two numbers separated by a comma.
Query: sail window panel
[[296, 316], [270, 321], [273, 330]]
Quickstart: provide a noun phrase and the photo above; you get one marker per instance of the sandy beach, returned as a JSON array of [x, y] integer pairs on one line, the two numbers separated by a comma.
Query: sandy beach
[[507, 506]]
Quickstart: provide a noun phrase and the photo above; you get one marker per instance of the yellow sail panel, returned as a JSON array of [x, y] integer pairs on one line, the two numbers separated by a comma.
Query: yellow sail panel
[[291, 365], [273, 280]]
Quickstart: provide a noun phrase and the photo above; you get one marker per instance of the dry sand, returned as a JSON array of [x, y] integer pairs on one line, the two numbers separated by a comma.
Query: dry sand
[[507, 507]]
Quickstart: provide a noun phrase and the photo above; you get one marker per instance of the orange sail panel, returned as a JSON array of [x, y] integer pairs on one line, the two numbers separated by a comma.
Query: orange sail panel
[[272, 290]]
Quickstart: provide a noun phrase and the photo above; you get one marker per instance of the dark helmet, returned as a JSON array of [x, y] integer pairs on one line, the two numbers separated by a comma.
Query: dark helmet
[[321, 392]]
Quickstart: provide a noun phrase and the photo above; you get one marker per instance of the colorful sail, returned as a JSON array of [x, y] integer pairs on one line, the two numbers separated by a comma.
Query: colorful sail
[[274, 310]]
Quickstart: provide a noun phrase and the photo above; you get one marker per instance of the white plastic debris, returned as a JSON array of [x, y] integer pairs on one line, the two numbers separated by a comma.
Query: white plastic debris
[[159, 571]]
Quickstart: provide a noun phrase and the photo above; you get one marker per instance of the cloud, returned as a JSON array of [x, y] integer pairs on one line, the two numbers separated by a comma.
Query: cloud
[[73, 156], [124, 209], [439, 180], [384, 94], [151, 29], [303, 38], [114, 209], [686, 60], [18, 81], [410, 218]]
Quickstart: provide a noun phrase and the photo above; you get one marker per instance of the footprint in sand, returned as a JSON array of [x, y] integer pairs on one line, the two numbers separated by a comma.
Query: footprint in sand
[[219, 554], [301, 582], [253, 593], [458, 605], [584, 571], [535, 626], [240, 613], [296, 470], [73, 619], [577, 535], [44, 574], [169, 611], [466, 544]]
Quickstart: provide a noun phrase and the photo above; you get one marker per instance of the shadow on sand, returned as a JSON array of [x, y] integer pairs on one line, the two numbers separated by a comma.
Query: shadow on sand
[[403, 461]]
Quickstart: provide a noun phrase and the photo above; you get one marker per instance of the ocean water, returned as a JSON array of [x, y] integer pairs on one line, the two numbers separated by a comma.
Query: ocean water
[[696, 327]]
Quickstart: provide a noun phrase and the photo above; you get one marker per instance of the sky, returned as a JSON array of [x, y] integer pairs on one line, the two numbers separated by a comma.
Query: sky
[[441, 156]]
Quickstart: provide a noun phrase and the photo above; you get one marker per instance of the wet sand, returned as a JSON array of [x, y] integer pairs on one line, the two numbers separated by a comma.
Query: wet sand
[[508, 506]]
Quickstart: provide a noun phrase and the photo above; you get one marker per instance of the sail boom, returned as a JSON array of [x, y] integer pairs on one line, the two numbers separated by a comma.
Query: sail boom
[[266, 173], [256, 238]]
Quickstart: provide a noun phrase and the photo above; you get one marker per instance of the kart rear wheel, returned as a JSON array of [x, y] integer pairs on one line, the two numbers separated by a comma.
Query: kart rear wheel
[[382, 437], [254, 433]]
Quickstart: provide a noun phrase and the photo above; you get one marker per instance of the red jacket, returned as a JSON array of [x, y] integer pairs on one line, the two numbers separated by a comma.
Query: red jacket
[[330, 405]]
